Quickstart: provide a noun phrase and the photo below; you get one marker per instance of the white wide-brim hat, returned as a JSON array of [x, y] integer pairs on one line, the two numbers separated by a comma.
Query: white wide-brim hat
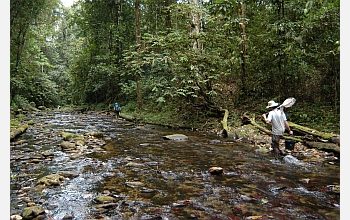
[[271, 104]]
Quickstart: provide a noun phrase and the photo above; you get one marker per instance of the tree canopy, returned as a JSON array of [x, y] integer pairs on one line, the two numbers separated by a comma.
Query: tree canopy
[[191, 57]]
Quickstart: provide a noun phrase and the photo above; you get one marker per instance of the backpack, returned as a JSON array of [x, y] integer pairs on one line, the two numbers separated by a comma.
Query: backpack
[[116, 106]]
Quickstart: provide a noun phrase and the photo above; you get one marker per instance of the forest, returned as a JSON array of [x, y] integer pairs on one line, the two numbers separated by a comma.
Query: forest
[[178, 61]]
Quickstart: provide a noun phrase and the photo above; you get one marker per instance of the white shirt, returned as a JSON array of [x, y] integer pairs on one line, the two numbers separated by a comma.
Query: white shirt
[[277, 119]]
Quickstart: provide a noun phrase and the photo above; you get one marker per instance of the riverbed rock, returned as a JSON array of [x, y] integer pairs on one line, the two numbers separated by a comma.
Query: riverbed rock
[[80, 142], [105, 199], [69, 216], [67, 136], [16, 132], [216, 170], [34, 212], [335, 189], [335, 139], [107, 205], [47, 154], [135, 184], [67, 146], [307, 180], [177, 137], [97, 134], [68, 174], [262, 149], [330, 147], [245, 132], [133, 164], [51, 180], [16, 217]]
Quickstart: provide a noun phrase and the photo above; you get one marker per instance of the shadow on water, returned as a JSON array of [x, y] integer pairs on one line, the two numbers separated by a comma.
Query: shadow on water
[[152, 178]]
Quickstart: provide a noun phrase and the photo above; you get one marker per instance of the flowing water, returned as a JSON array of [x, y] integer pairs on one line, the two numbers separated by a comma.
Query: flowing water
[[149, 177]]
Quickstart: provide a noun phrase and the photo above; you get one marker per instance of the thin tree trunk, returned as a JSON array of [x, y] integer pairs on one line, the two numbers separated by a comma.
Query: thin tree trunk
[[168, 15], [138, 43], [244, 47], [119, 9], [195, 24]]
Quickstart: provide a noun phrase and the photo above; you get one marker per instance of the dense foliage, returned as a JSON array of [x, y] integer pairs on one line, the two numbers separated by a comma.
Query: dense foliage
[[190, 59]]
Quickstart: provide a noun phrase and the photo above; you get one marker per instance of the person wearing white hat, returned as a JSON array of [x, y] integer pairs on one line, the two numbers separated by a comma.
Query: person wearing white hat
[[279, 123]]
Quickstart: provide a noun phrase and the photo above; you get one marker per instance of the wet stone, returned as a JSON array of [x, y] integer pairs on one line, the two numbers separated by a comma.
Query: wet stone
[[135, 184], [216, 170], [69, 174], [48, 154], [178, 137], [33, 212], [104, 199], [51, 180]]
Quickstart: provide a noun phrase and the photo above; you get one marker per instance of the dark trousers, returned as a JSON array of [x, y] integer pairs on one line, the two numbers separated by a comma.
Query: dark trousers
[[117, 114], [276, 145]]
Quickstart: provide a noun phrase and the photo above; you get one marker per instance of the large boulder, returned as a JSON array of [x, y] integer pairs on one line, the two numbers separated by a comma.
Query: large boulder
[[51, 180], [245, 132], [33, 212]]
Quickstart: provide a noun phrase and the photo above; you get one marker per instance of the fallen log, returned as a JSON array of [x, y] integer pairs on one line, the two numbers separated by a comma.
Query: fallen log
[[227, 132], [323, 136], [251, 120], [224, 123], [330, 147], [297, 129], [20, 130], [330, 142], [127, 117]]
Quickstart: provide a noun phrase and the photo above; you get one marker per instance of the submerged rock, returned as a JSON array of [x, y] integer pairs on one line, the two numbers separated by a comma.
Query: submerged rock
[[177, 137]]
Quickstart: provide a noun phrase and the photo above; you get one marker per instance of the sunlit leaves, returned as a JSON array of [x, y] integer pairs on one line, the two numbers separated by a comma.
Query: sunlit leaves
[[160, 100]]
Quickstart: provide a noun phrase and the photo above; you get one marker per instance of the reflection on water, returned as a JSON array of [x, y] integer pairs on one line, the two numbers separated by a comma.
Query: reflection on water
[[153, 178]]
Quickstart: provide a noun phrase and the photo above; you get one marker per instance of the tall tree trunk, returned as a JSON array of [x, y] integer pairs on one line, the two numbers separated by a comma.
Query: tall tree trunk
[[138, 43], [244, 46], [168, 15], [280, 74], [195, 24], [119, 9]]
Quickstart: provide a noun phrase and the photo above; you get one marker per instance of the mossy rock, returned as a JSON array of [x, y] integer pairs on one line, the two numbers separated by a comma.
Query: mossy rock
[[97, 134], [67, 136], [42, 107], [31, 122], [33, 212], [246, 131], [66, 145], [104, 199], [51, 180], [19, 130]]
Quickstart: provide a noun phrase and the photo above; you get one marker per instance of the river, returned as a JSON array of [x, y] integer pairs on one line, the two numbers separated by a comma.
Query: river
[[153, 178]]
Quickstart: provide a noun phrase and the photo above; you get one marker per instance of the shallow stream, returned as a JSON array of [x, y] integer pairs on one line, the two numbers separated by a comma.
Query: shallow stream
[[153, 178]]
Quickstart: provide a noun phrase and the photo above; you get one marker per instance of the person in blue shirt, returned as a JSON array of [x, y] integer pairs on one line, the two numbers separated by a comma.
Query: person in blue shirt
[[279, 123], [117, 109]]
